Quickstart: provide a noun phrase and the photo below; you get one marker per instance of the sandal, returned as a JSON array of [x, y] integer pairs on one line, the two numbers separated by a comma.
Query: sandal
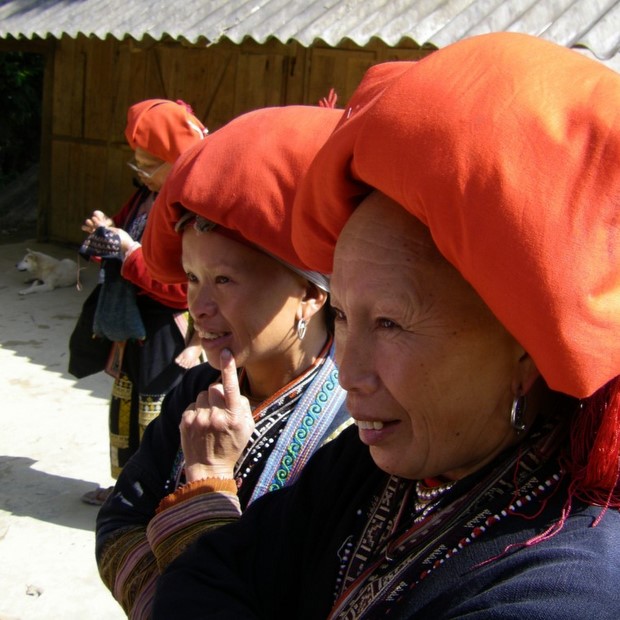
[[97, 496]]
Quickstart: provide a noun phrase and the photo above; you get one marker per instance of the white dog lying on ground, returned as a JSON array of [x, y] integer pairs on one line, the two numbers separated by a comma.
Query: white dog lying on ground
[[47, 272]]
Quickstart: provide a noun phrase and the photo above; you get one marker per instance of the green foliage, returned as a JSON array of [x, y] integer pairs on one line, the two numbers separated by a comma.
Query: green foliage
[[21, 87]]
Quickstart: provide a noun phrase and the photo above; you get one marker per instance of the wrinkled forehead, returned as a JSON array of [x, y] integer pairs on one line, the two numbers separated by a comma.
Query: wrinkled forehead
[[386, 263], [381, 247], [381, 226]]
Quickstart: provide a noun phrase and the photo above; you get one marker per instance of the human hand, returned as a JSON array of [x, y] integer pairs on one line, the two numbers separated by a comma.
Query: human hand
[[98, 218], [217, 427], [125, 237], [190, 356]]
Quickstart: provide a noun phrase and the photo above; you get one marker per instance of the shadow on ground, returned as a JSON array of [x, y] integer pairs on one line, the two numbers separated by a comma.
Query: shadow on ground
[[27, 492]]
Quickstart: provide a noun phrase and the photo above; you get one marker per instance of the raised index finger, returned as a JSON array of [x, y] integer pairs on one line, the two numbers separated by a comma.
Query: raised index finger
[[230, 381]]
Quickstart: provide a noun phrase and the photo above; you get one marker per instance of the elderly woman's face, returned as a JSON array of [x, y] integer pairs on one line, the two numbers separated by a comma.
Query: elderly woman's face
[[428, 369], [152, 171], [242, 300]]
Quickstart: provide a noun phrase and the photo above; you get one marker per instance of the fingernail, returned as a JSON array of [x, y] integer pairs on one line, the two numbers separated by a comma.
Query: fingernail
[[225, 355]]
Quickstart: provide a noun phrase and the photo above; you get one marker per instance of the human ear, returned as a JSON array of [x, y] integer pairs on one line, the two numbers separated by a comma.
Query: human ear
[[526, 374], [313, 299]]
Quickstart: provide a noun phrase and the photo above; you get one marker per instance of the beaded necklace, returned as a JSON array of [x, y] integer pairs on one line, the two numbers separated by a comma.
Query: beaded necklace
[[447, 523], [428, 492]]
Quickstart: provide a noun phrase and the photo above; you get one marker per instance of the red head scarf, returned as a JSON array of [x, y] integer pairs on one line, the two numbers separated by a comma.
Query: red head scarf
[[242, 177], [163, 128], [508, 148]]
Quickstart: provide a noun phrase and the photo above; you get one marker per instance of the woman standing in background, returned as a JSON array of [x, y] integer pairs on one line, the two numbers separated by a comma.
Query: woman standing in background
[[158, 131]]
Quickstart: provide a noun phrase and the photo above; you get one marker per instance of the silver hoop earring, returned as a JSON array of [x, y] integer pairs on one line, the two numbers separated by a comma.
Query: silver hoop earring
[[301, 328], [517, 413]]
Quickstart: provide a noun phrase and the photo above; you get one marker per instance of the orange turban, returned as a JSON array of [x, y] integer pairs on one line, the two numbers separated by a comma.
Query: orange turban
[[163, 128], [508, 148], [242, 177]]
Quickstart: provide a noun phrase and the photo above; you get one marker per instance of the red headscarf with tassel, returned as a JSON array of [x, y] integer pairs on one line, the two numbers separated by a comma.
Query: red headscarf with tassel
[[163, 128], [507, 147], [243, 177]]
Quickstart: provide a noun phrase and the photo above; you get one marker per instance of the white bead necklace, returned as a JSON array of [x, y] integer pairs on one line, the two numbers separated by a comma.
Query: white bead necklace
[[426, 497]]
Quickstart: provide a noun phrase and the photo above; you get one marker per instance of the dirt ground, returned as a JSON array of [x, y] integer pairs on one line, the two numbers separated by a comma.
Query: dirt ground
[[53, 448]]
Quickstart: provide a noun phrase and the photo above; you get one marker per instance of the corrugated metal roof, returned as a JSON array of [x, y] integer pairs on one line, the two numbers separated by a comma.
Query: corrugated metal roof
[[593, 24]]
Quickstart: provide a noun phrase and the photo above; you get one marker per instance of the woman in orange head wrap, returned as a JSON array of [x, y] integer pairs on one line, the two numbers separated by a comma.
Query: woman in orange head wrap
[[468, 209], [148, 364], [225, 438]]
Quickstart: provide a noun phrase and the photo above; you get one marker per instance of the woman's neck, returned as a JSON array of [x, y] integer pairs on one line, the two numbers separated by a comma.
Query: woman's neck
[[264, 380], [147, 203]]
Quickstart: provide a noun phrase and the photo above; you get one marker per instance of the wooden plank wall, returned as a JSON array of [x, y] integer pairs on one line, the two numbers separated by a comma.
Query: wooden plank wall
[[94, 82]]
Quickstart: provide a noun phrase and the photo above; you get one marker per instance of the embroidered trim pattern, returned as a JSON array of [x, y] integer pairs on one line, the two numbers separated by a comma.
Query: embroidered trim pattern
[[304, 430]]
